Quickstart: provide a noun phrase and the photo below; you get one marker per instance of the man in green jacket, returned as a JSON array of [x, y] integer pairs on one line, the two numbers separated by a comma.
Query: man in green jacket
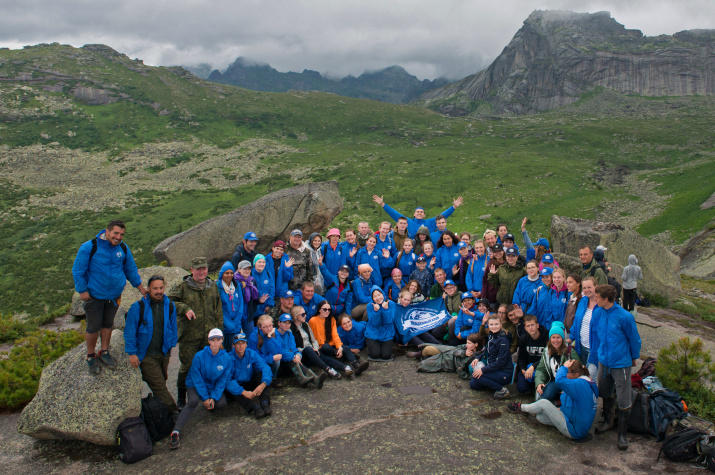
[[198, 310], [589, 266], [507, 276]]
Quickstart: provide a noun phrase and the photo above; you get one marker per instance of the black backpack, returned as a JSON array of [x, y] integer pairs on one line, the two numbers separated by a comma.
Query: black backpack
[[682, 446], [157, 418], [94, 250], [141, 311], [639, 420], [611, 281], [133, 440], [666, 406]]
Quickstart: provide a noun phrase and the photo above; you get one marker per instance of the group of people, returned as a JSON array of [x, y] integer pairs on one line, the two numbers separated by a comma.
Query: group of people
[[515, 317]]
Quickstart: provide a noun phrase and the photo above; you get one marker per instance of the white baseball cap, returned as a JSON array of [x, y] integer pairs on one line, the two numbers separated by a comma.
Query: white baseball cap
[[215, 333]]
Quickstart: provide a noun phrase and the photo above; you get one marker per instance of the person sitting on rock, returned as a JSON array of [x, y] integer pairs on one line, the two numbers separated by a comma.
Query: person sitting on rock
[[206, 381], [351, 333], [325, 329], [309, 348], [467, 322], [496, 372], [552, 358], [405, 299], [579, 401], [150, 333], [246, 251], [291, 358], [250, 378]]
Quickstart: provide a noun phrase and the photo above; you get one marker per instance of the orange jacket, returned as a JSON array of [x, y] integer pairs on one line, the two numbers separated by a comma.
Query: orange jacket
[[317, 324]]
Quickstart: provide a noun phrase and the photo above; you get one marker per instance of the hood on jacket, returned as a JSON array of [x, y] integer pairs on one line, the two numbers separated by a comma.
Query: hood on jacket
[[374, 288], [423, 230], [226, 266], [309, 242], [599, 255], [632, 260]]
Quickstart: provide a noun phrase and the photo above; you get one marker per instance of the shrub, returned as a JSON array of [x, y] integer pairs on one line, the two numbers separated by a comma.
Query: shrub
[[11, 327], [684, 366], [20, 372], [657, 300]]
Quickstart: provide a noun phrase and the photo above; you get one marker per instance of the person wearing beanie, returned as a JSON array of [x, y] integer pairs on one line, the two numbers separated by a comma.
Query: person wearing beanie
[[266, 285], [553, 357]]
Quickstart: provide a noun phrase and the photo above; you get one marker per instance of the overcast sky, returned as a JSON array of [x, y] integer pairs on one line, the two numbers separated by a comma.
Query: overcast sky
[[449, 38]]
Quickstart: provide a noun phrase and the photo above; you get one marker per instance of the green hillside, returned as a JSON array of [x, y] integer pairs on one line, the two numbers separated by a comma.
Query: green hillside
[[88, 134]]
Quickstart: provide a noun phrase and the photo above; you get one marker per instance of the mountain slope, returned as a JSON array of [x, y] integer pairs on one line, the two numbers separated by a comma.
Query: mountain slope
[[558, 55], [392, 84]]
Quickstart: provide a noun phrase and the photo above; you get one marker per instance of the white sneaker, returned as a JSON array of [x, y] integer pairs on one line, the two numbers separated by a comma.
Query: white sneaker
[[333, 374], [348, 371]]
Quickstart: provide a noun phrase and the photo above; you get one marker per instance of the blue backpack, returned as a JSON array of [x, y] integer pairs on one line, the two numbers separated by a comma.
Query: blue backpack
[[666, 406]]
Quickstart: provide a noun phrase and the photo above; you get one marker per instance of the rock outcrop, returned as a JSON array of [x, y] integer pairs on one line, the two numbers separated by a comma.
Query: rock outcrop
[[698, 254], [558, 55], [661, 268], [72, 404], [310, 208]]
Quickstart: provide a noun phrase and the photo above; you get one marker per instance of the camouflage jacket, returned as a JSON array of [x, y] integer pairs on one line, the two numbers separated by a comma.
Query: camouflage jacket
[[204, 300], [302, 267]]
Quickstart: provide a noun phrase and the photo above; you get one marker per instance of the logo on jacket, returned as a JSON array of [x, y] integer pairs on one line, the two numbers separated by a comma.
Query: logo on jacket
[[219, 368], [456, 254], [265, 281], [119, 254]]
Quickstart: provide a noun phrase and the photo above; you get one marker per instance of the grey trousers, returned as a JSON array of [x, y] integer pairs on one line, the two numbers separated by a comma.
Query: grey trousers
[[548, 414], [618, 379]]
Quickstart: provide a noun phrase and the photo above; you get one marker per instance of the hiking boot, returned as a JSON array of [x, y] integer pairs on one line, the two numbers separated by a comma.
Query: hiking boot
[[302, 374], [266, 406], [515, 407], [361, 367], [92, 365], [609, 404], [414, 354], [348, 371], [501, 394], [257, 411], [107, 359], [333, 374], [623, 416], [174, 441], [321, 380]]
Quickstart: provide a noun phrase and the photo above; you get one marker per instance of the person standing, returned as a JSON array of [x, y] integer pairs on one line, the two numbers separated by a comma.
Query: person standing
[[414, 224], [615, 347], [302, 265], [589, 266], [149, 335], [631, 274], [246, 251], [198, 309], [100, 271]]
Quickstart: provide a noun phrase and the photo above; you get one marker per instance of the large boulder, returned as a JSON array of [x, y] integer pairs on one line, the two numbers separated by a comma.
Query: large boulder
[[310, 208], [661, 268], [698, 253], [72, 404]]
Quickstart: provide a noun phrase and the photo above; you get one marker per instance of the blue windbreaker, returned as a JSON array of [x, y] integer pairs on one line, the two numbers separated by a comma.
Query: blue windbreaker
[[392, 290], [311, 306], [475, 274], [374, 260], [380, 323], [525, 292], [243, 369], [341, 301], [615, 341], [474, 322], [333, 258], [138, 331], [106, 274], [362, 291], [407, 264], [355, 338], [209, 373], [270, 348], [447, 258], [288, 348], [549, 306], [285, 274], [579, 400], [232, 306], [266, 284]]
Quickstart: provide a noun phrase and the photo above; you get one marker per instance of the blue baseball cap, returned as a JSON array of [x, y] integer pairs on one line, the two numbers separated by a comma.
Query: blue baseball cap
[[449, 282], [287, 294], [239, 337], [467, 295], [543, 242], [419, 207], [250, 236], [285, 318], [548, 258], [546, 271], [461, 245]]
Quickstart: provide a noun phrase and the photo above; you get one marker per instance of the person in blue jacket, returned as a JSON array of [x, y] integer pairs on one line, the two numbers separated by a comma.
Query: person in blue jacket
[[468, 321], [250, 378], [393, 285], [579, 400], [338, 290], [291, 357], [263, 340], [495, 373], [100, 271], [210, 370], [541, 305], [477, 266], [375, 259], [150, 333], [362, 292], [406, 260], [231, 301], [333, 252], [527, 285], [351, 333], [447, 252], [308, 299], [414, 224], [265, 283], [615, 347], [281, 267], [380, 330], [580, 333]]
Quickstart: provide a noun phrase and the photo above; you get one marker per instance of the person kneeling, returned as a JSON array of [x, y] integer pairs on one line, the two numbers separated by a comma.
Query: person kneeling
[[250, 378], [497, 371], [210, 370], [579, 400]]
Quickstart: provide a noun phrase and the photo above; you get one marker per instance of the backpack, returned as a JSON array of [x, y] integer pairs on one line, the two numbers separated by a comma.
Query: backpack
[[639, 420], [682, 446], [647, 368], [94, 251], [142, 321], [666, 406], [611, 281], [157, 418], [133, 440]]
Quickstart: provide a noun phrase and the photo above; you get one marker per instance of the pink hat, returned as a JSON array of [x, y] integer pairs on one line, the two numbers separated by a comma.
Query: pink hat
[[334, 232], [395, 272]]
